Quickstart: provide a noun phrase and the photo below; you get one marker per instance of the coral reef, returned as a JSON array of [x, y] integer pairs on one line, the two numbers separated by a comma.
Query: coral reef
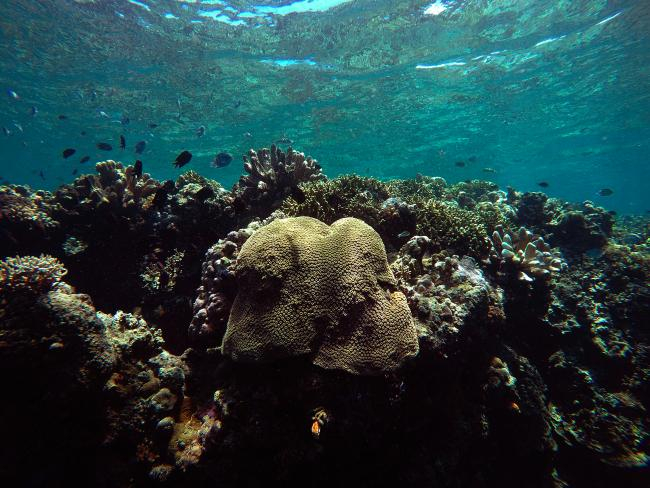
[[346, 196], [453, 228], [272, 176], [524, 254], [304, 287], [26, 222], [30, 274], [283, 357]]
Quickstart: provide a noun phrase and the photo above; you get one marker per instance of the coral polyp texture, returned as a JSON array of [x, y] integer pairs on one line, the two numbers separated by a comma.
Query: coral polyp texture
[[306, 288]]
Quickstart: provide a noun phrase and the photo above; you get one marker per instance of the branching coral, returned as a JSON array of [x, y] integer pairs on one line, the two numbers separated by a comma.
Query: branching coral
[[31, 274], [114, 187], [525, 254], [421, 188], [18, 204], [346, 196], [273, 175], [453, 228]]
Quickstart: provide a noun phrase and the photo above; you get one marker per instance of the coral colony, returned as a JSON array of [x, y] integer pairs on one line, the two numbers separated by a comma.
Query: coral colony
[[318, 332]]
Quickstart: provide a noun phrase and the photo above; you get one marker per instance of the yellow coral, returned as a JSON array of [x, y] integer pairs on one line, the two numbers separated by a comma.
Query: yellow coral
[[309, 288]]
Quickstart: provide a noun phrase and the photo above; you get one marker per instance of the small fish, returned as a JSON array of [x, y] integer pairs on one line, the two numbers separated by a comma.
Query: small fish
[[103, 114], [74, 171], [40, 173], [237, 104], [222, 160], [122, 142], [13, 94], [284, 140], [18, 126], [403, 234], [248, 134], [139, 147], [153, 126], [182, 159], [605, 192], [85, 159], [62, 117], [200, 132], [104, 146], [83, 132], [33, 111], [93, 95], [460, 164], [204, 193], [160, 197], [6, 131], [137, 168], [68, 152], [543, 184], [489, 170], [613, 213], [125, 120], [472, 159]]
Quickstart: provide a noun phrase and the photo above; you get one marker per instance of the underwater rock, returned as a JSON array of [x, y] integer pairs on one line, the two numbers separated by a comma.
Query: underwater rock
[[582, 227], [326, 291]]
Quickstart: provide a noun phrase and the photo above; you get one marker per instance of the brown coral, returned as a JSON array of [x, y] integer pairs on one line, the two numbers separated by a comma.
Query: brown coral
[[31, 274], [273, 174], [309, 288]]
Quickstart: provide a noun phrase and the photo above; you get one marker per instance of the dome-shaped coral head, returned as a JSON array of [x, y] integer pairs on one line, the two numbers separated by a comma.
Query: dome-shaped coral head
[[306, 288]]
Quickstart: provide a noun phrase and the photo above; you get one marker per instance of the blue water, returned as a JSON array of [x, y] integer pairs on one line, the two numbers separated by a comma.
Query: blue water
[[555, 91]]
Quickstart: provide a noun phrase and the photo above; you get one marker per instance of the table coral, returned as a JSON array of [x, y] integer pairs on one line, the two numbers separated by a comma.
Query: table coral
[[309, 288]]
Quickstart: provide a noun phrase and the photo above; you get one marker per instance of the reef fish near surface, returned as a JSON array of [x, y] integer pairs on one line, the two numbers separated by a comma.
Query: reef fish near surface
[[605, 192], [104, 146], [122, 142], [182, 159], [139, 147], [68, 152]]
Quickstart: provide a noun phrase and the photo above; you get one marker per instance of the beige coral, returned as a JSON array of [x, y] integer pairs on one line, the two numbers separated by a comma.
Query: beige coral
[[309, 288]]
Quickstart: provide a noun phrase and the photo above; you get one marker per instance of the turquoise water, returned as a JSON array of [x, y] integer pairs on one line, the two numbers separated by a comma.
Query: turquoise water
[[555, 91]]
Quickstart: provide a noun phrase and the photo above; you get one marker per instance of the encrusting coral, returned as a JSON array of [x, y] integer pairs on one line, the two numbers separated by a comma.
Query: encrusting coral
[[309, 288]]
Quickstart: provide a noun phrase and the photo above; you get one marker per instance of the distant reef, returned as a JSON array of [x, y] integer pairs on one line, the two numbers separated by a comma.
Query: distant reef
[[298, 330]]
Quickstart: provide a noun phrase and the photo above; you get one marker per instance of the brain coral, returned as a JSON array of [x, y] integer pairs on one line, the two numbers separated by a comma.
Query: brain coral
[[309, 288]]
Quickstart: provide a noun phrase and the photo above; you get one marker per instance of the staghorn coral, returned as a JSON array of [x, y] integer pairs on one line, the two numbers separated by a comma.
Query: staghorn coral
[[272, 176], [345, 196], [453, 228], [525, 254], [306, 288], [30, 274]]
